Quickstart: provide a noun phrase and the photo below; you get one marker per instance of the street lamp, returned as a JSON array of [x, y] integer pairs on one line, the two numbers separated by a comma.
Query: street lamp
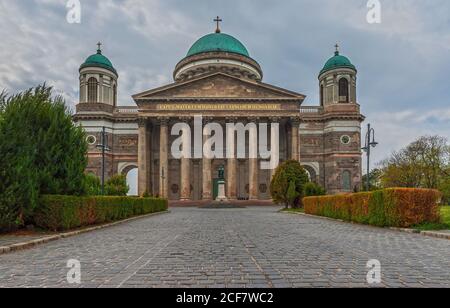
[[163, 177], [370, 143], [104, 148]]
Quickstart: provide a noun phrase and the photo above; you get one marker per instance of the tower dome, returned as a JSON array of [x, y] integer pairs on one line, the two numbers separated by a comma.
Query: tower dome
[[98, 83], [337, 81], [218, 52], [337, 61], [98, 60], [218, 42]]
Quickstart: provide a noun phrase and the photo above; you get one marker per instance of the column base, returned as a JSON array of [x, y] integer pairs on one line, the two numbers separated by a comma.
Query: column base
[[207, 197]]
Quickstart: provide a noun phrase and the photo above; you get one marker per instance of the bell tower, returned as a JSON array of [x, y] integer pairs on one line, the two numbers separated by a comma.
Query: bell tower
[[98, 81], [337, 81]]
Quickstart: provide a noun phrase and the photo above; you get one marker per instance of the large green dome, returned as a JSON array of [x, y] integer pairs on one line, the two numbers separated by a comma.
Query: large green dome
[[337, 61], [99, 60], [218, 42]]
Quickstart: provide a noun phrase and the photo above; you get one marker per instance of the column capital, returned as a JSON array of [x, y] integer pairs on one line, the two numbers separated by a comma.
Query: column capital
[[185, 119], [163, 120], [295, 120], [253, 119], [207, 120], [231, 119], [275, 119], [142, 122]]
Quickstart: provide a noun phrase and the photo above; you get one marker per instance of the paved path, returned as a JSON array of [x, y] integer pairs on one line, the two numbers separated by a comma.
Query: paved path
[[253, 247]]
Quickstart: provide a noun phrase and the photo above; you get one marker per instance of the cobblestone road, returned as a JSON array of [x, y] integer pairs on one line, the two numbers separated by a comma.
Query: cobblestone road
[[253, 247]]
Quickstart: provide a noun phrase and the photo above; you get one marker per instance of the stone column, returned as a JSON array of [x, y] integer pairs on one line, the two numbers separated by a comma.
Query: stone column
[[164, 159], [253, 166], [207, 179], [231, 163], [274, 146], [143, 158], [295, 135], [231, 179], [206, 171], [185, 193]]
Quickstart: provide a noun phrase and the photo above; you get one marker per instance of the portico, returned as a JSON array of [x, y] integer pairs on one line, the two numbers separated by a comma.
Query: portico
[[194, 178]]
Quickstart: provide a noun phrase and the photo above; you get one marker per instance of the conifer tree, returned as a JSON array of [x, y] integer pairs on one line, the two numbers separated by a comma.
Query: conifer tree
[[41, 151]]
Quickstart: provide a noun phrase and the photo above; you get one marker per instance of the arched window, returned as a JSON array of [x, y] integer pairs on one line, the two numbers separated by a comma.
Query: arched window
[[92, 90], [321, 95], [343, 90], [311, 173], [347, 180]]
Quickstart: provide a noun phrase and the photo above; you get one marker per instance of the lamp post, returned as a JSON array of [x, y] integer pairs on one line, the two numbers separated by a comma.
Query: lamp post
[[163, 177], [370, 143], [104, 148]]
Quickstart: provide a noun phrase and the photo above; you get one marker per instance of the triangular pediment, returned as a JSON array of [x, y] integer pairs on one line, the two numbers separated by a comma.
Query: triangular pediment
[[219, 85]]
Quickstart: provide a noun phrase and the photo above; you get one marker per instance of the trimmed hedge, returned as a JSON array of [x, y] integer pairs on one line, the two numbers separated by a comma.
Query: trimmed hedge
[[68, 212], [395, 207]]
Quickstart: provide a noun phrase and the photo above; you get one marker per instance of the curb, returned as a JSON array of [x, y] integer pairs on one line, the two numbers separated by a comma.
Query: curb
[[48, 239], [434, 234]]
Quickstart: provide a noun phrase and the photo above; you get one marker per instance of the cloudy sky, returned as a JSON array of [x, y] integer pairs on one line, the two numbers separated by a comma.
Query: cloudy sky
[[403, 63]]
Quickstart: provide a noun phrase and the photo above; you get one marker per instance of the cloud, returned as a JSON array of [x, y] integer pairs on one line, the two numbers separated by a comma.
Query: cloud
[[402, 62], [395, 130]]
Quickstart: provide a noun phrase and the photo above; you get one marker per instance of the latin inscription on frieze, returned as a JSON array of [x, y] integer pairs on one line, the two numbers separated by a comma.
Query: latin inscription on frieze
[[225, 107]]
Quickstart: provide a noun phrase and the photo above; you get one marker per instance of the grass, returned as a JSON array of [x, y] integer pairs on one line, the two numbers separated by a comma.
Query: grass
[[444, 225]]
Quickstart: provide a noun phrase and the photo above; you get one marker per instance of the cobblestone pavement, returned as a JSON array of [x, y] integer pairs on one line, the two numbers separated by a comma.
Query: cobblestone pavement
[[253, 247]]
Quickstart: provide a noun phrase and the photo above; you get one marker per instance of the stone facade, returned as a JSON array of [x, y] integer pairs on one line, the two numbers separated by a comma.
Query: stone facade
[[325, 139]]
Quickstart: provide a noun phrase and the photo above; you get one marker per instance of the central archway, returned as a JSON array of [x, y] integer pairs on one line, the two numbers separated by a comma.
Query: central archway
[[131, 172]]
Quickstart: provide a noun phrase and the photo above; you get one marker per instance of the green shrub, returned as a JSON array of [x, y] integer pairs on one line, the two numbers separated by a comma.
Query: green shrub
[[58, 213], [117, 186], [93, 186], [395, 207], [289, 172], [146, 194], [313, 189]]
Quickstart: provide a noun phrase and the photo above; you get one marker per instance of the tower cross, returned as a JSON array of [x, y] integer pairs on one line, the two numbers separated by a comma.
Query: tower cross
[[218, 20], [337, 48], [99, 49]]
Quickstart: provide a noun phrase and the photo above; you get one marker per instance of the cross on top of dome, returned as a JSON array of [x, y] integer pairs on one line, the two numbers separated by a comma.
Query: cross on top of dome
[[218, 20], [99, 47]]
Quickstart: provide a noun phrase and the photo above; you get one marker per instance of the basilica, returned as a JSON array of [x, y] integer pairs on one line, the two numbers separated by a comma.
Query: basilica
[[222, 83]]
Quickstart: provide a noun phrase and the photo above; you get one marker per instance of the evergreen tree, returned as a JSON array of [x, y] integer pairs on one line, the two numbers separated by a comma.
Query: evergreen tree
[[41, 150], [289, 172], [292, 194]]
